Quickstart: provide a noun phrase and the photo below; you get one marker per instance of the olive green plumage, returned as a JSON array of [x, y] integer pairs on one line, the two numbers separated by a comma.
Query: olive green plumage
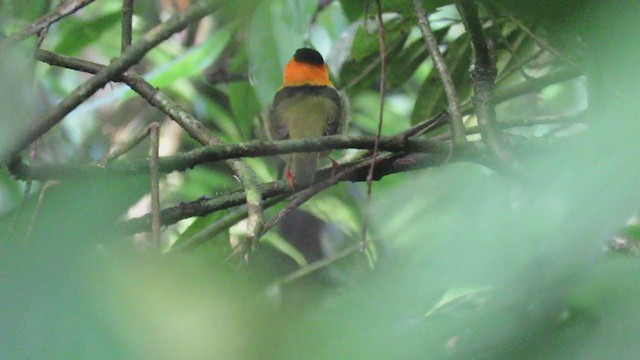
[[306, 111]]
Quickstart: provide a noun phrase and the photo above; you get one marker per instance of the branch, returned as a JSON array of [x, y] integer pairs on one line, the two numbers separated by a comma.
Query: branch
[[64, 9], [131, 56], [392, 164], [221, 152], [483, 76], [455, 114]]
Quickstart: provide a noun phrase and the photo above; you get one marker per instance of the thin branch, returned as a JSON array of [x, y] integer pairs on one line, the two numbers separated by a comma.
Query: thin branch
[[376, 144], [131, 56], [316, 265], [122, 148], [155, 184], [544, 45], [127, 24], [36, 211], [65, 8], [208, 233], [534, 85], [577, 118], [455, 114]]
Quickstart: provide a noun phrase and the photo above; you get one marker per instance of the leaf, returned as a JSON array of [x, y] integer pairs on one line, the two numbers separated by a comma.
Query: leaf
[[276, 241], [77, 34], [276, 30], [431, 95], [192, 62], [334, 210], [363, 67], [198, 225]]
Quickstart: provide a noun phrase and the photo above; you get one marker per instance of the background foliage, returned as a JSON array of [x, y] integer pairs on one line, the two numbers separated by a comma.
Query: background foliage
[[466, 260]]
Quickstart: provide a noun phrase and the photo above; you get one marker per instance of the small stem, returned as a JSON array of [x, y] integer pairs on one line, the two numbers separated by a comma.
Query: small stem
[[155, 185]]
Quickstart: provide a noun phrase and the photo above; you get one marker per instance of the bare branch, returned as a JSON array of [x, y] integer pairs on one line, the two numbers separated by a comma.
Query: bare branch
[[455, 114], [221, 152]]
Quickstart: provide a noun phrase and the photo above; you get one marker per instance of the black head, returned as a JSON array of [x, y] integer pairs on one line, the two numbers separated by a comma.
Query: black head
[[308, 56]]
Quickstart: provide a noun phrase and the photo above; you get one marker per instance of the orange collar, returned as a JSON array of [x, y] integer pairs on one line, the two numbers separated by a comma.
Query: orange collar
[[298, 73]]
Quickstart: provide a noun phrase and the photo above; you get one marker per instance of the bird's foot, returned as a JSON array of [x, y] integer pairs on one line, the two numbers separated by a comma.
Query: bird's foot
[[290, 179]]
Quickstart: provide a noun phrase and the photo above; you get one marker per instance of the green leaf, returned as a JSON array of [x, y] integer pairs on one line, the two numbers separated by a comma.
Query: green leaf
[[77, 34], [277, 29], [192, 62], [362, 69], [431, 96], [198, 225], [279, 243], [334, 210]]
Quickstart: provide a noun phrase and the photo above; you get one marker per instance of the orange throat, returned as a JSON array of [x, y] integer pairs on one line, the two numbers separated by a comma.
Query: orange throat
[[298, 73]]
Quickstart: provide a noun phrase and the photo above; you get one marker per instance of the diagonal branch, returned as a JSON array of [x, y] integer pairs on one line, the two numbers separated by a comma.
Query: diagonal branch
[[455, 114]]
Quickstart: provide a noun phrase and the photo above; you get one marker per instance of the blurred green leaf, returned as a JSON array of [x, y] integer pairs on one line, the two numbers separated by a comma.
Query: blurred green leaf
[[279, 243], [277, 29], [192, 62], [77, 34], [431, 95]]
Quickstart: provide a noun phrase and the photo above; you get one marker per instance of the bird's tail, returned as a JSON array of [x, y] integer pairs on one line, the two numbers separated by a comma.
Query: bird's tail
[[303, 168]]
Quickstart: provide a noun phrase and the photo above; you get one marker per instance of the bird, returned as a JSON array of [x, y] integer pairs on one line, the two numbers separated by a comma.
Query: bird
[[307, 105]]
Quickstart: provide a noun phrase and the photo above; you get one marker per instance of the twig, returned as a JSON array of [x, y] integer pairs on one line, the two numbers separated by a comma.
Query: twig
[[455, 114], [483, 75], [124, 147], [38, 207], [127, 24], [544, 45], [65, 8], [316, 265], [376, 143], [132, 55], [155, 184], [216, 228], [308, 193], [535, 84], [525, 122]]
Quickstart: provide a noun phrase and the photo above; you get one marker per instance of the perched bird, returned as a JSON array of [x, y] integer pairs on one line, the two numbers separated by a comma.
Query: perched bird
[[307, 105]]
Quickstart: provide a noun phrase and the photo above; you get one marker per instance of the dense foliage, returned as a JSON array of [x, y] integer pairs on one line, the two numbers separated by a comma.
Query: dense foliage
[[518, 243]]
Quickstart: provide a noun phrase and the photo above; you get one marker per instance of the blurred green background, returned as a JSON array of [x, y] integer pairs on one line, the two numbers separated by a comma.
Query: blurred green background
[[466, 262]]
